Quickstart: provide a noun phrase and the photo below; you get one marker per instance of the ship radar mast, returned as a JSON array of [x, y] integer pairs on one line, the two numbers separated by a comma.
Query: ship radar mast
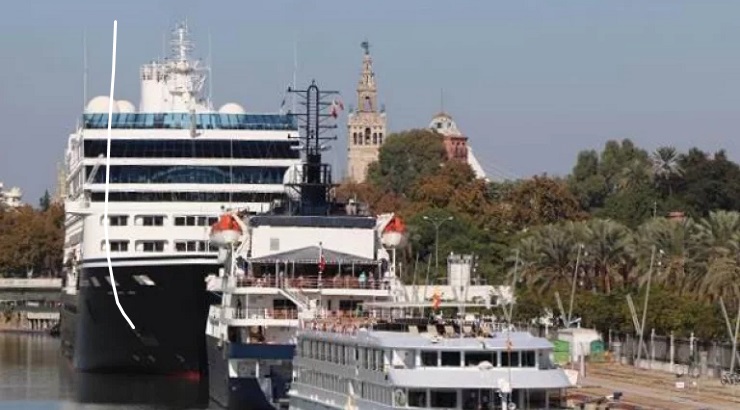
[[313, 181], [177, 83]]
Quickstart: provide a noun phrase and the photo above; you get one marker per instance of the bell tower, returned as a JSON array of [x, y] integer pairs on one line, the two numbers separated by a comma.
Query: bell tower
[[366, 124]]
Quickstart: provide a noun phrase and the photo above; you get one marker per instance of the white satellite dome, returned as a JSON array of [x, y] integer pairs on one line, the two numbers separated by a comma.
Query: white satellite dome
[[125, 106], [99, 105], [293, 175], [231, 108]]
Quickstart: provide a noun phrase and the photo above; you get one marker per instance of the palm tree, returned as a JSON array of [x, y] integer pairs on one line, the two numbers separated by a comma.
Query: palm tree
[[678, 245], [719, 236], [666, 166], [609, 246]]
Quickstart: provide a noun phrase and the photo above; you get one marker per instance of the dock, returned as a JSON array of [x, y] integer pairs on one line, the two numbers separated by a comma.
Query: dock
[[652, 389]]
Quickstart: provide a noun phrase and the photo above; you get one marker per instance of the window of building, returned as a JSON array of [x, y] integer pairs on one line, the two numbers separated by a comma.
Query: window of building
[[380, 138], [375, 138], [367, 136]]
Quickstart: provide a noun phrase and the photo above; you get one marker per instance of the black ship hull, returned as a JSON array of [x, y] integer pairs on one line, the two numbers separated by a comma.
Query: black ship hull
[[247, 393], [168, 311]]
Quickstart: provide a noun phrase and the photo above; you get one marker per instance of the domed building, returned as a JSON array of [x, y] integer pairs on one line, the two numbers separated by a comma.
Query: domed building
[[456, 144]]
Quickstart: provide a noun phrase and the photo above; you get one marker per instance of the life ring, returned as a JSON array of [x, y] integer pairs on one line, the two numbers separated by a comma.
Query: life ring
[[400, 398]]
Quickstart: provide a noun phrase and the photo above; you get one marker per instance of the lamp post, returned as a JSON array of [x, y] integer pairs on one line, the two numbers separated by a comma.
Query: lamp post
[[437, 222]]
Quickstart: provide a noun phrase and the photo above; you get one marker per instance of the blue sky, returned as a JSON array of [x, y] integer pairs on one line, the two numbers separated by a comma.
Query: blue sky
[[530, 82]]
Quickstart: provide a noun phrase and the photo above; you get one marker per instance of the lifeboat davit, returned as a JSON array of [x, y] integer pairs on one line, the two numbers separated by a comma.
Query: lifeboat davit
[[394, 233], [226, 231]]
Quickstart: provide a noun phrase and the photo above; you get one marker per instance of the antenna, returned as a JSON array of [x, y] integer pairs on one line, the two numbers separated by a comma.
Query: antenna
[[84, 69], [295, 70], [442, 100], [210, 70]]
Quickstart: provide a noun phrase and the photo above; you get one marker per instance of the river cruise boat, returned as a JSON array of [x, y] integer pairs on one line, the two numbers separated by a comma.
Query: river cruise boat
[[418, 363]]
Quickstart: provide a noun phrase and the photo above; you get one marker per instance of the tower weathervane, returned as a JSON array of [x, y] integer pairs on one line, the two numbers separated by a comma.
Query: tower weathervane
[[366, 46]]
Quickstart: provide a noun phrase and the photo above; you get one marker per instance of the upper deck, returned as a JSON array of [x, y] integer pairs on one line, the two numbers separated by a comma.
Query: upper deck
[[203, 121]]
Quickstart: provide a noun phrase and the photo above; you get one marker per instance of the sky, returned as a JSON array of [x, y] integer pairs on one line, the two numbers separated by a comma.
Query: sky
[[531, 83]]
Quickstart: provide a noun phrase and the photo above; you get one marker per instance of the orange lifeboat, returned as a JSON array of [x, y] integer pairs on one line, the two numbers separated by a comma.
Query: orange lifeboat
[[226, 231], [394, 233]]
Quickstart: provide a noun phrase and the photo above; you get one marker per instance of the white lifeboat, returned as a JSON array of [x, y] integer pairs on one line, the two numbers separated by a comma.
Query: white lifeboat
[[394, 233], [226, 231]]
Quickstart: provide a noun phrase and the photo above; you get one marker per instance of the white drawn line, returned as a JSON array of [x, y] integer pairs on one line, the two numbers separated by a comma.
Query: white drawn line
[[107, 176]]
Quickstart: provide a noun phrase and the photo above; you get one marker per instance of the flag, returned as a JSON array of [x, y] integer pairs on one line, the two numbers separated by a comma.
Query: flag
[[322, 259], [336, 107]]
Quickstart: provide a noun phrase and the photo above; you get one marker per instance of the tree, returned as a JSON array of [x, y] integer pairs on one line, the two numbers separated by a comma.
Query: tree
[[406, 157], [45, 201], [541, 200], [707, 184]]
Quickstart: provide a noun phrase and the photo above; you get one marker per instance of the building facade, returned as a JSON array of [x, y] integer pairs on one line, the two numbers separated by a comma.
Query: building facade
[[456, 144], [366, 124], [10, 198]]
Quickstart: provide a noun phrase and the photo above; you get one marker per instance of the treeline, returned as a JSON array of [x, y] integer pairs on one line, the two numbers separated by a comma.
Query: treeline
[[615, 207], [31, 240]]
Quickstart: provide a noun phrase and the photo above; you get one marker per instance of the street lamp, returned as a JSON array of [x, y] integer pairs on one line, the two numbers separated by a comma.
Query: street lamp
[[437, 222]]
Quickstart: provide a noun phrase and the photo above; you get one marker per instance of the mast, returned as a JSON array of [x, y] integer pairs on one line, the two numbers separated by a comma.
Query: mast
[[315, 176]]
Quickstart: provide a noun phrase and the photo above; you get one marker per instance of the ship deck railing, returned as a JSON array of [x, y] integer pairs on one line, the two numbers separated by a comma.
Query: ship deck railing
[[232, 313], [312, 282], [416, 326]]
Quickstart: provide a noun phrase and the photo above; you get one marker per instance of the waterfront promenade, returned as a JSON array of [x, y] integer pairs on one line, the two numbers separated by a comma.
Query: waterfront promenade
[[29, 304]]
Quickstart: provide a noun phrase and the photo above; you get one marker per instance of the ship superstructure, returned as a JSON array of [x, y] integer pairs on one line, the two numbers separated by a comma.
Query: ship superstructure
[[175, 164]]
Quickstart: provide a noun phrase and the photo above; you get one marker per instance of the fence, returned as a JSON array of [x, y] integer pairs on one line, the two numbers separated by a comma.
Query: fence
[[708, 357], [681, 355]]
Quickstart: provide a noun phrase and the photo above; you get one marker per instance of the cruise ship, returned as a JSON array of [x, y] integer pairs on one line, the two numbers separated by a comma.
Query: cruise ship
[[175, 164]]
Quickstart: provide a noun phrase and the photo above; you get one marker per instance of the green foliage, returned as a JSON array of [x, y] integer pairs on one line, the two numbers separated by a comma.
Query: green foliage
[[405, 158]]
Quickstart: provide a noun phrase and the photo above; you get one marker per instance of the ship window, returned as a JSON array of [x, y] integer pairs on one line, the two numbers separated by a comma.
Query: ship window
[[94, 281], [191, 246], [475, 358], [117, 220], [192, 149], [429, 358], [450, 359], [528, 359], [510, 359], [150, 220], [179, 221], [212, 220], [443, 399], [187, 174], [115, 246], [150, 246], [170, 196], [342, 354], [417, 398]]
